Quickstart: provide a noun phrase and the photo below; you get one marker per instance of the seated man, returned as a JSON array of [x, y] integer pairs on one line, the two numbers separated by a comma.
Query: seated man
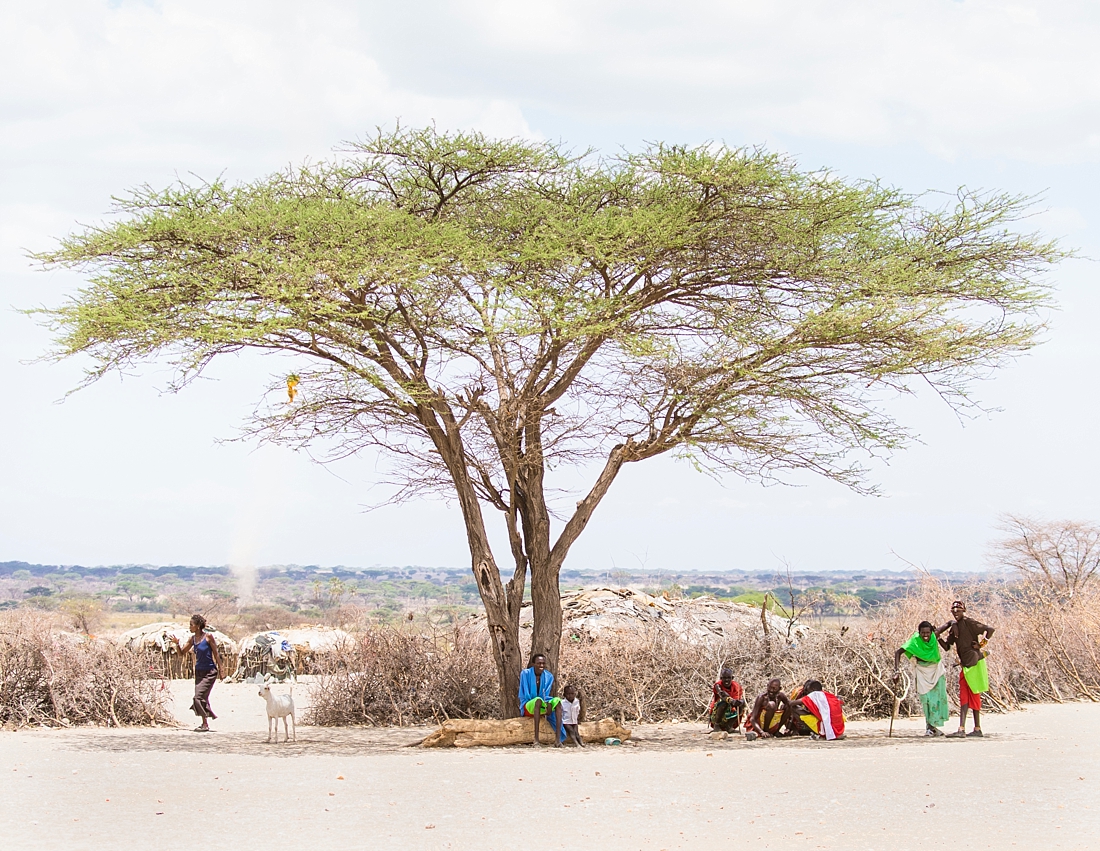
[[536, 686], [727, 703], [799, 727], [820, 711], [771, 712]]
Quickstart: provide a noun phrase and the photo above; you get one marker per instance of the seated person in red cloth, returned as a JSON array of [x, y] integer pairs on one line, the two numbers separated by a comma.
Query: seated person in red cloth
[[727, 703], [821, 711]]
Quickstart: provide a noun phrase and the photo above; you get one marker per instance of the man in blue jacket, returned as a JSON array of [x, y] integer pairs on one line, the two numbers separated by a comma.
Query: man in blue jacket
[[536, 688]]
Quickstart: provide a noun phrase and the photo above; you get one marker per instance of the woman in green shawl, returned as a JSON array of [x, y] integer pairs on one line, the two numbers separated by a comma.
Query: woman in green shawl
[[923, 647]]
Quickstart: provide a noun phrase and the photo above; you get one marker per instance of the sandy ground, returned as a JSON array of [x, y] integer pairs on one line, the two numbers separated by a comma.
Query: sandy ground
[[1029, 784]]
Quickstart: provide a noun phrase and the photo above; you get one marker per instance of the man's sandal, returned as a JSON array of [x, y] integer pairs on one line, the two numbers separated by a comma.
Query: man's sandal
[[975, 734], [959, 734]]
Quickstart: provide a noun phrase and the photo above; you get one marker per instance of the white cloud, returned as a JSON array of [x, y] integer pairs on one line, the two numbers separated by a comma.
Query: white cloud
[[96, 97], [957, 78], [204, 83]]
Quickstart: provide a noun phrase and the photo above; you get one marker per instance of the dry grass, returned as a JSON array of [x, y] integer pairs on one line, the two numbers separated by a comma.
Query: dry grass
[[53, 680]]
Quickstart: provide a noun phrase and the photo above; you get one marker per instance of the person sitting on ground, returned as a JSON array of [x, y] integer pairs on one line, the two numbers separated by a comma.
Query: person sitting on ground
[[727, 703], [931, 676], [536, 689], [798, 726], [974, 676], [822, 712], [770, 713], [572, 713]]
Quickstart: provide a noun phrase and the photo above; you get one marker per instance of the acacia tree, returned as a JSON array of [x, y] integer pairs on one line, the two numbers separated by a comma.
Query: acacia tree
[[1060, 557], [486, 311]]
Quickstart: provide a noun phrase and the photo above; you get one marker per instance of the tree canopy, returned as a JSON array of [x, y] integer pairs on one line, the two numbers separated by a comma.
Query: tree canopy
[[485, 311]]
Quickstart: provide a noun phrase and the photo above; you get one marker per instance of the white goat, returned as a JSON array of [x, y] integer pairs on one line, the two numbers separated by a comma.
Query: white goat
[[279, 706]]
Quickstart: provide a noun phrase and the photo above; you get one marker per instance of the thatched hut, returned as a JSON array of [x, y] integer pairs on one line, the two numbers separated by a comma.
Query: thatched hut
[[154, 640], [288, 652]]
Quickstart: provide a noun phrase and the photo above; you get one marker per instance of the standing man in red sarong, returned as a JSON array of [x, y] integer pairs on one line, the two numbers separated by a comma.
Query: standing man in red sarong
[[964, 633]]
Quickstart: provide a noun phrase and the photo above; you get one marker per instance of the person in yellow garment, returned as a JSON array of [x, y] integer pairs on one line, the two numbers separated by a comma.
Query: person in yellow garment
[[771, 714], [964, 634]]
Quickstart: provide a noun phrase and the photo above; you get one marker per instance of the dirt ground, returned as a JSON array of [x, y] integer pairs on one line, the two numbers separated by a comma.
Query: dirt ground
[[1029, 784]]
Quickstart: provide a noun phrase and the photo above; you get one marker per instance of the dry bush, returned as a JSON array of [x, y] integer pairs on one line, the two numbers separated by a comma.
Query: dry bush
[[656, 676], [58, 681], [392, 676], [1047, 647], [1061, 556], [1050, 650]]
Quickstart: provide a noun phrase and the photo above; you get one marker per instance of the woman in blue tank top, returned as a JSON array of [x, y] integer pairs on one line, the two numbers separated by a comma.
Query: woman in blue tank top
[[207, 669]]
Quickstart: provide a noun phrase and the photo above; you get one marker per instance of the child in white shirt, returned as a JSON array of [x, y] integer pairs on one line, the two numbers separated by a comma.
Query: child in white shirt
[[572, 708]]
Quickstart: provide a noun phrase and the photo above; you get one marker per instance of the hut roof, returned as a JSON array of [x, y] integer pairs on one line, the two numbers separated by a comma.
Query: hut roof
[[591, 611], [157, 636], [311, 639]]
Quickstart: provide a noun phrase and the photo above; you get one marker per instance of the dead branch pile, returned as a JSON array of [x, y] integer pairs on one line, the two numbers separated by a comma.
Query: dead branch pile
[[592, 612], [53, 680], [1047, 648], [389, 676]]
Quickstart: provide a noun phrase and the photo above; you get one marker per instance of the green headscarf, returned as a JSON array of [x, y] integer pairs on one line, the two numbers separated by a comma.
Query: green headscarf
[[925, 651]]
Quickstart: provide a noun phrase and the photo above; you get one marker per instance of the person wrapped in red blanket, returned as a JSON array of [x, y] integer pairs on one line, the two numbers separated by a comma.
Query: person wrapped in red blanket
[[727, 703], [821, 711]]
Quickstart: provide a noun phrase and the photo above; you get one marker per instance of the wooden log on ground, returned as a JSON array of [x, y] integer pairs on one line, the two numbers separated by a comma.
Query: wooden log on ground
[[470, 733]]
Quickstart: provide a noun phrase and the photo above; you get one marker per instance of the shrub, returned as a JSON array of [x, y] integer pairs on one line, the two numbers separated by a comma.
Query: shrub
[[52, 680], [392, 676], [1047, 647]]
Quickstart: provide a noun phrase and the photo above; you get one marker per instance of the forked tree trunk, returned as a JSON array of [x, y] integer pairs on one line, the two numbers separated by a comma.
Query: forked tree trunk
[[503, 633], [546, 561], [501, 606], [546, 617]]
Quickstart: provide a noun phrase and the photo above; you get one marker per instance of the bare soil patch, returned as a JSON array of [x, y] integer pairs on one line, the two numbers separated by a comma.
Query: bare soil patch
[[1027, 784]]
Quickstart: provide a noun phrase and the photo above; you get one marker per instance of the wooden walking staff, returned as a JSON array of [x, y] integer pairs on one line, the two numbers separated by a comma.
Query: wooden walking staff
[[897, 703]]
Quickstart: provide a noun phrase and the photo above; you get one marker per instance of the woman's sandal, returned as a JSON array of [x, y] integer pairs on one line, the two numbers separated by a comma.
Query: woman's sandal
[[201, 730]]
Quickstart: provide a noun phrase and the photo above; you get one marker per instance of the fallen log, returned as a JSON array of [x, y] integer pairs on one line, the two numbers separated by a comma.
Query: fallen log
[[470, 733]]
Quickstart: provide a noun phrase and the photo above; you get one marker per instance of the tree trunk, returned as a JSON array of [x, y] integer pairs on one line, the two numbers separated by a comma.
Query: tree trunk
[[546, 611], [499, 605], [469, 732], [546, 562], [503, 632]]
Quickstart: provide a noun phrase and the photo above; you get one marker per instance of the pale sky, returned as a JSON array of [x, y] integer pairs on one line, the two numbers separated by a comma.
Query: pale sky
[[98, 97]]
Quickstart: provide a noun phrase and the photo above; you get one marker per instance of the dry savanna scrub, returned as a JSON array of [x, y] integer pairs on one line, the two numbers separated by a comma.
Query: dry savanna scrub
[[61, 680], [1047, 648]]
